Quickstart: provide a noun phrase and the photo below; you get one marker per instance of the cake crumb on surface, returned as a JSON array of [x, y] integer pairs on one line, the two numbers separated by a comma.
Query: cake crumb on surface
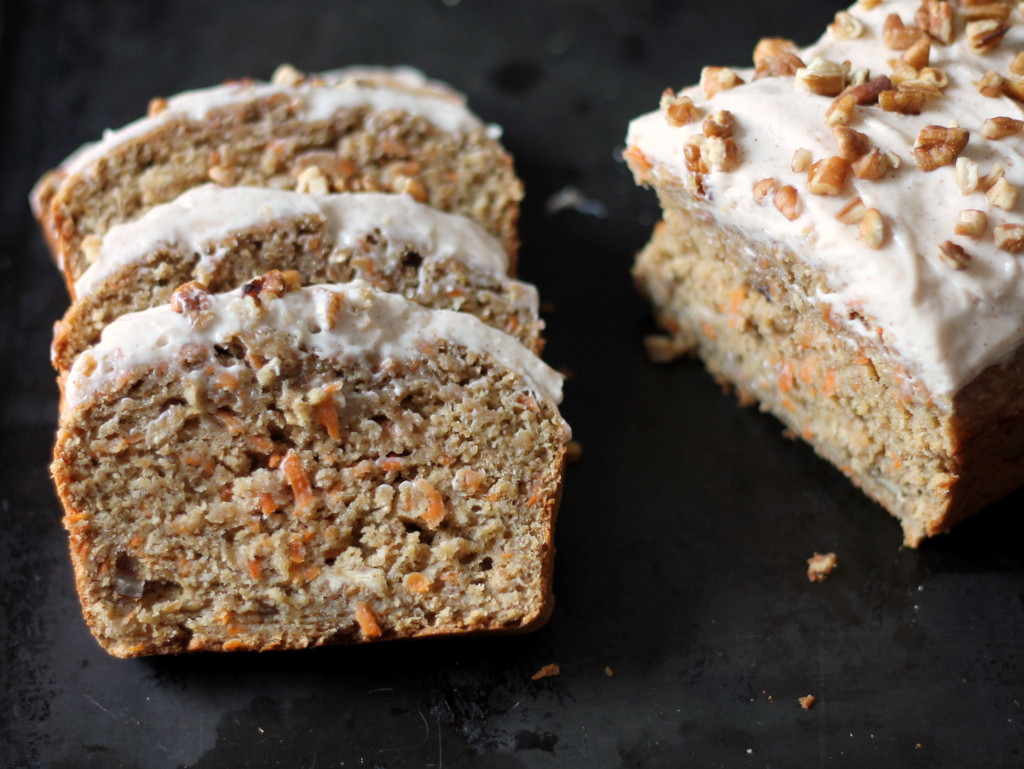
[[609, 672], [546, 672], [820, 565], [807, 702]]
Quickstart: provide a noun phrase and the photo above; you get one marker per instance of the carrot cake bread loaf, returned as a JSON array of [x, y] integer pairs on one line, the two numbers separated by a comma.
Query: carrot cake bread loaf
[[280, 467], [224, 236], [842, 243], [351, 130]]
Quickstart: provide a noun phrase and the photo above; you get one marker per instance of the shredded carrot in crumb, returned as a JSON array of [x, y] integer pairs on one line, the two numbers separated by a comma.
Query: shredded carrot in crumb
[[788, 404], [225, 617], [640, 160], [260, 443], [299, 481], [235, 629], [807, 433], [362, 468], [233, 644], [786, 378], [709, 331], [416, 583], [274, 460], [135, 541], [225, 380], [897, 462], [427, 503], [390, 464], [536, 495], [828, 389], [255, 568], [367, 621], [232, 423], [736, 299], [296, 551], [863, 359], [327, 415], [268, 504]]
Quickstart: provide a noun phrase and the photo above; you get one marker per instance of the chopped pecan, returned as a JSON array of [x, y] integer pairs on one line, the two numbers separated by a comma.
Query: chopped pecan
[[721, 154], [867, 93], [693, 156], [873, 165], [994, 175], [983, 36], [193, 300], [872, 229], [1017, 65], [975, 11], [770, 47], [1010, 237], [721, 124], [1001, 127], [953, 255], [897, 36], [157, 105], [1002, 194], [1012, 87], [787, 201], [904, 102], [991, 84], [936, 18], [966, 175], [846, 26], [782, 65], [802, 160], [822, 77], [714, 80], [918, 53], [852, 144], [853, 212], [937, 146], [828, 176], [679, 110], [764, 188], [971, 222], [840, 111]]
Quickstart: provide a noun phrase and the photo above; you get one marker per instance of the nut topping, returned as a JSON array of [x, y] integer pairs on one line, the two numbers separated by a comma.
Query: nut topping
[[717, 79], [852, 144], [1002, 194], [937, 146], [1017, 65], [991, 84], [973, 12], [1001, 127], [983, 36], [720, 154], [953, 255], [770, 47], [936, 18], [896, 36], [782, 65], [679, 110], [1010, 237], [874, 165], [828, 176], [787, 201], [872, 229], [721, 124], [904, 102], [853, 212], [693, 156], [840, 111], [846, 26], [764, 188], [966, 175], [971, 222], [822, 77], [193, 301], [918, 53], [802, 160]]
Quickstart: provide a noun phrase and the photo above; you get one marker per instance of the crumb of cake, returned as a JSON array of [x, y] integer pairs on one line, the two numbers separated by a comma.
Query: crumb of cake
[[546, 672], [820, 566], [573, 452], [807, 702], [609, 672]]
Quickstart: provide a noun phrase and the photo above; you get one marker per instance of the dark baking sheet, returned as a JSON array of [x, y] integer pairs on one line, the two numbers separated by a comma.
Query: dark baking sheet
[[685, 627]]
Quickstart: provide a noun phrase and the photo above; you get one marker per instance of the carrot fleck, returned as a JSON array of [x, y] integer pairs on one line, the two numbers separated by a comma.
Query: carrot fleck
[[299, 481], [416, 583], [425, 502], [274, 460], [326, 415], [225, 380], [233, 644], [260, 443], [268, 504], [255, 568], [828, 389], [639, 160], [232, 423], [389, 464], [367, 620], [709, 331]]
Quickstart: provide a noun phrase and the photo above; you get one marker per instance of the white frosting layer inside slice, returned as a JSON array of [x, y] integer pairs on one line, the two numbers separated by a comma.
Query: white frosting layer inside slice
[[317, 99], [948, 325], [344, 323], [208, 214]]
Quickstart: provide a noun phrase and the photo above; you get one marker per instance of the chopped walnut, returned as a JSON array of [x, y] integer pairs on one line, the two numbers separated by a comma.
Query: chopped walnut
[[717, 79], [953, 255], [822, 77], [853, 212], [679, 110], [1001, 127], [1002, 194], [971, 222], [1017, 65], [693, 156], [275, 283], [872, 229], [1010, 237], [966, 175], [937, 146], [763, 188], [904, 102], [787, 201], [983, 36], [846, 26], [852, 144], [873, 165], [721, 154], [991, 84], [936, 18], [897, 36], [828, 176], [193, 301], [721, 124], [802, 160], [918, 53]]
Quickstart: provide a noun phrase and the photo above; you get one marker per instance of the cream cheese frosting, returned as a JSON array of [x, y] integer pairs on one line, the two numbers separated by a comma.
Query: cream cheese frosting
[[208, 214], [947, 324], [343, 322], [317, 98]]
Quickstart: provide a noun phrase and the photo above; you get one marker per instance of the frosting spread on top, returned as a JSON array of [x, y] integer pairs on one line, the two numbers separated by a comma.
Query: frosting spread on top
[[342, 322], [317, 98], [203, 216], [948, 324]]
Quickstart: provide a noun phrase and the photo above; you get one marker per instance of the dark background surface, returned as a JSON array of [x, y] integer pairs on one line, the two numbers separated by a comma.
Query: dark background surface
[[685, 526]]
